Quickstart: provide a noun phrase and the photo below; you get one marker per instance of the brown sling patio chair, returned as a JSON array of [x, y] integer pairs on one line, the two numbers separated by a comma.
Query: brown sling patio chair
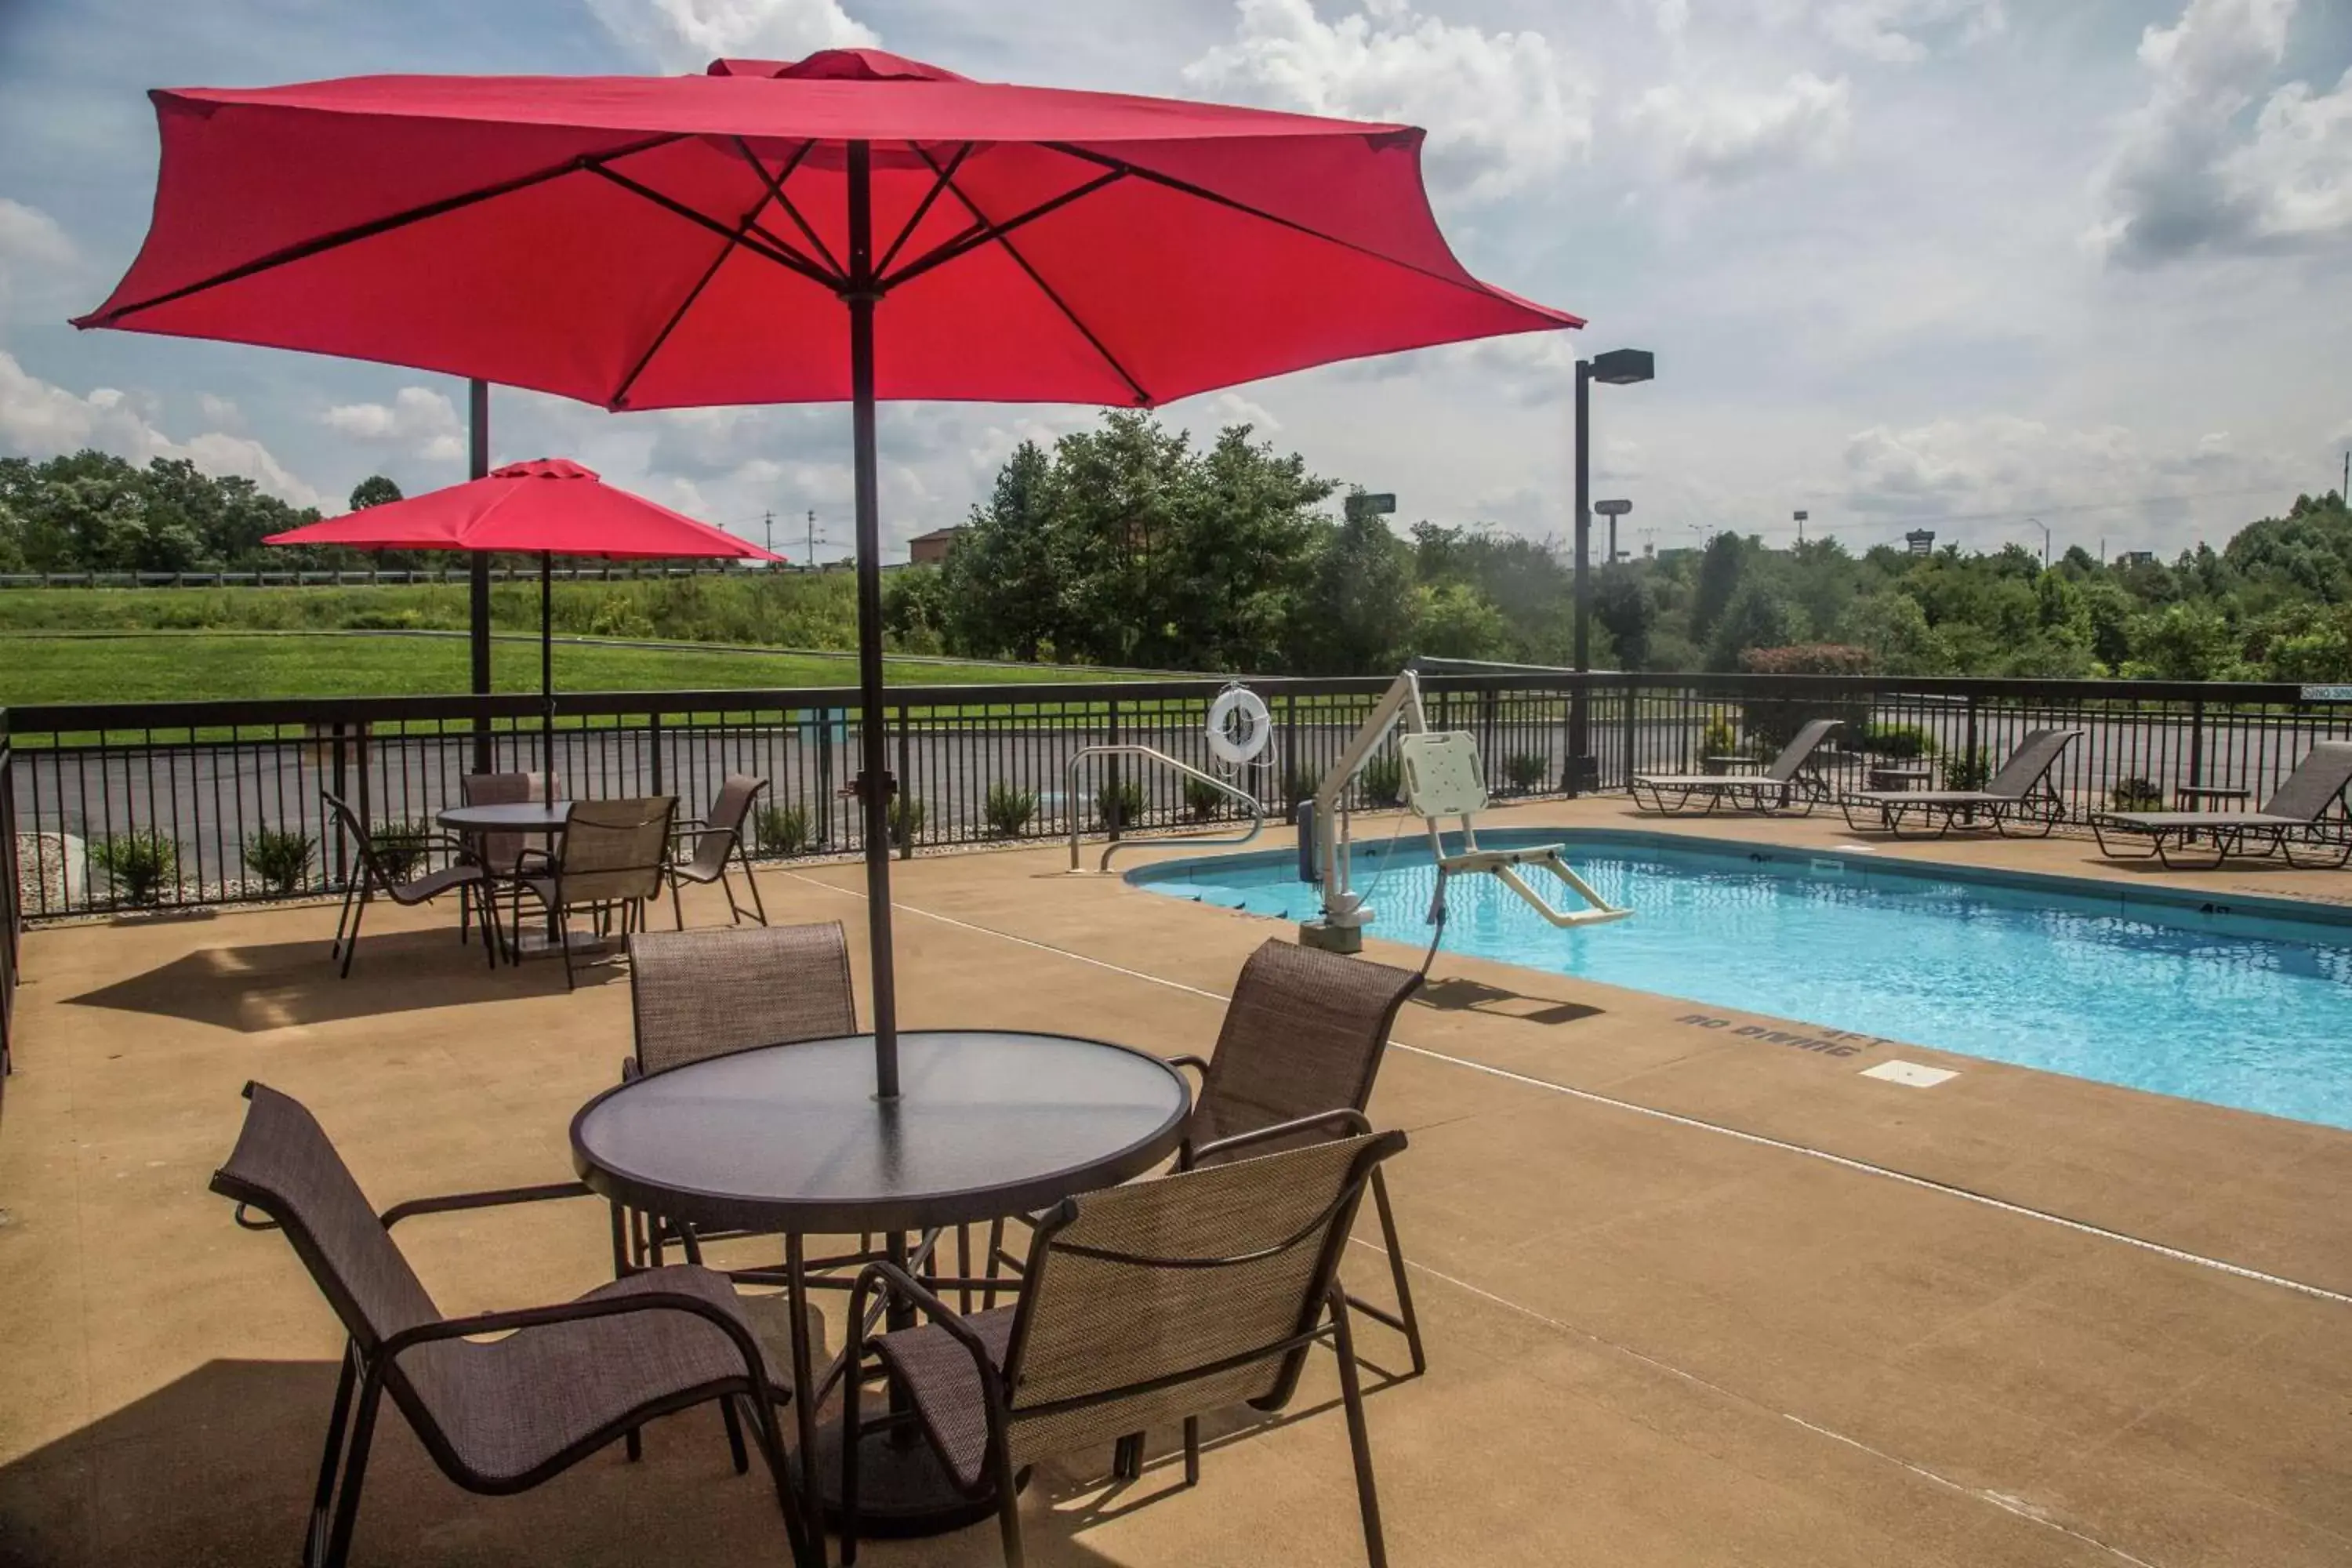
[[702, 993], [2296, 813], [717, 838], [1783, 784], [369, 877], [2021, 792], [503, 1415], [1304, 1034], [1140, 1304], [613, 853], [501, 853]]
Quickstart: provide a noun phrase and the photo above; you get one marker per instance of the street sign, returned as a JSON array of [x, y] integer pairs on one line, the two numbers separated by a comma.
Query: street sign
[[1357, 504], [2327, 694]]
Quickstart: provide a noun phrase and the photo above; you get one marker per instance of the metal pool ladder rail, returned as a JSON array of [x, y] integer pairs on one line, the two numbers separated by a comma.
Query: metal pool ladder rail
[[1232, 790]]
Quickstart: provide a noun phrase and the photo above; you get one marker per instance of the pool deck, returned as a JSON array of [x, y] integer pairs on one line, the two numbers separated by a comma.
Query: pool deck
[[1696, 1289]]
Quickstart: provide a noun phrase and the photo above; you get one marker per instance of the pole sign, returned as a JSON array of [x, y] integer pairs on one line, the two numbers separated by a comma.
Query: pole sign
[[1358, 505]]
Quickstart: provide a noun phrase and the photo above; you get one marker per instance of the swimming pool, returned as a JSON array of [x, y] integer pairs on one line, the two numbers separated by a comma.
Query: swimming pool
[[2237, 1002]]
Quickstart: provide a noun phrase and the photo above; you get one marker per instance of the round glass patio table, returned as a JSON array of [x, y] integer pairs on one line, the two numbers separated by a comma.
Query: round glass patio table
[[536, 816], [791, 1138]]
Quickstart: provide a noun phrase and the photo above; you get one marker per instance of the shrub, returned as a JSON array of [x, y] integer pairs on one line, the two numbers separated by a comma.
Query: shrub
[[1807, 658], [137, 864], [2135, 795], [1383, 780], [906, 814], [1299, 785], [1717, 738], [1526, 770], [1203, 799], [1008, 809], [782, 829], [398, 846], [1968, 771], [1902, 742], [280, 857], [1119, 803]]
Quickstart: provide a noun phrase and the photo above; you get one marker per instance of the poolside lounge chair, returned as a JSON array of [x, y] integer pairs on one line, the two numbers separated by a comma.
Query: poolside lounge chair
[[2295, 815], [1775, 789], [1140, 1304], [2021, 792], [716, 839], [502, 1416], [369, 877]]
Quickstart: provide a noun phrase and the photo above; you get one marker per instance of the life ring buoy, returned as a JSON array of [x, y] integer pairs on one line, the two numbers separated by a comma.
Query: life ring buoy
[[1239, 726]]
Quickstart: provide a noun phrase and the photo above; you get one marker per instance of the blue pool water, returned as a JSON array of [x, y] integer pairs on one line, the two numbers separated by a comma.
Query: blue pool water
[[2213, 1003]]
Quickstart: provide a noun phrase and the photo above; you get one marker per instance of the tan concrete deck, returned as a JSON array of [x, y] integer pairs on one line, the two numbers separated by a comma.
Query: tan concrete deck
[[1693, 1297]]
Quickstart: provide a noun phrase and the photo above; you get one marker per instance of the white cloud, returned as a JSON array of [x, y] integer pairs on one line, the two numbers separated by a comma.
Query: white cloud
[[2186, 175], [687, 34], [220, 411], [418, 420], [1726, 138], [40, 419], [33, 248], [1505, 111], [1232, 408], [1897, 31]]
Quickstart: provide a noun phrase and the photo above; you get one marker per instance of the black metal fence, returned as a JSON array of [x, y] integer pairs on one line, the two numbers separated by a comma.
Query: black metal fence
[[460, 571], [118, 805]]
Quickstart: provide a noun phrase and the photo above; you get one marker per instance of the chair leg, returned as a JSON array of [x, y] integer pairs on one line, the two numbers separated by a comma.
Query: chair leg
[[1191, 1450], [767, 1425], [734, 1435], [1008, 1505], [1397, 1273], [347, 1506], [759, 908], [351, 942], [850, 1435], [343, 916], [1360, 1439], [1127, 1459], [676, 905], [313, 1545]]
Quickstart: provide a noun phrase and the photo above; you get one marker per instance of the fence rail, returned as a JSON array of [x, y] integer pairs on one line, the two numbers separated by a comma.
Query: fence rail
[[119, 806], [364, 577]]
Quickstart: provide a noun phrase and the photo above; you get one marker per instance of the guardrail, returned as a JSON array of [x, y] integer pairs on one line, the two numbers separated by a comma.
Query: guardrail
[[196, 785]]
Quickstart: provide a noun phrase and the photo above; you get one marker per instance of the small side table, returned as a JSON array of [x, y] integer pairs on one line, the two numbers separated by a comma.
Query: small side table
[[1900, 779]]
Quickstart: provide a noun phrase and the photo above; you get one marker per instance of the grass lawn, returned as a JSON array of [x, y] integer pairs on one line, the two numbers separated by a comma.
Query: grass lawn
[[208, 666]]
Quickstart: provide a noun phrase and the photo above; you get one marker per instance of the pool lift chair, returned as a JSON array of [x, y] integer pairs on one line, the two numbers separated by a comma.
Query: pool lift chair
[[1442, 777]]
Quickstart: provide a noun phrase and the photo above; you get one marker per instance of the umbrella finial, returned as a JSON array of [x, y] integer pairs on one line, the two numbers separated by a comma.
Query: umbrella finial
[[839, 65]]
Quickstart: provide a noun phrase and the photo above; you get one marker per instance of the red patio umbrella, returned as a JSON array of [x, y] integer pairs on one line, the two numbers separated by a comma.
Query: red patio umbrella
[[546, 508], [850, 226]]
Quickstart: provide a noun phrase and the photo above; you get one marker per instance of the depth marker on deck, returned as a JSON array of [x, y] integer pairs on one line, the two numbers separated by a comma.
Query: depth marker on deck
[[1924, 1183]]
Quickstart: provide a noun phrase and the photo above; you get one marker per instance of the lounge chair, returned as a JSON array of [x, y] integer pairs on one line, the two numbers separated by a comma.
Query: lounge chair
[[370, 876], [501, 1416], [2021, 791], [1140, 1304], [716, 839], [2292, 816], [1775, 789]]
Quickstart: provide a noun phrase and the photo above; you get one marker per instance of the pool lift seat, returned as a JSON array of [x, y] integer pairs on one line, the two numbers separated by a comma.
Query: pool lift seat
[[1444, 777]]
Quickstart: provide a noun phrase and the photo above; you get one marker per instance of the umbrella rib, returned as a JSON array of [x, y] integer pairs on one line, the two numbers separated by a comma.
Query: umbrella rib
[[986, 231], [1051, 293], [302, 250], [621, 393], [776, 190], [923, 208], [792, 260], [1186, 187]]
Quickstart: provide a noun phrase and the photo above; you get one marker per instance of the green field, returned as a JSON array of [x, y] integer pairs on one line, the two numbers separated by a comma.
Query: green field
[[170, 666]]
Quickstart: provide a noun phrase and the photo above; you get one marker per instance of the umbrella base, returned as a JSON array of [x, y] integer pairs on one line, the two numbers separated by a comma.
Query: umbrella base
[[902, 1492]]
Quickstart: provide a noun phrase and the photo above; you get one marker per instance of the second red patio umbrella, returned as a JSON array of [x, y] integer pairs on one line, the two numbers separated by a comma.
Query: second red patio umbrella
[[850, 226], [546, 508]]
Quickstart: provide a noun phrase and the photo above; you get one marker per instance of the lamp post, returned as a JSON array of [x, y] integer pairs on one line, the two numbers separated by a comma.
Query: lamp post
[[1612, 511], [1617, 367], [1800, 517], [2045, 540]]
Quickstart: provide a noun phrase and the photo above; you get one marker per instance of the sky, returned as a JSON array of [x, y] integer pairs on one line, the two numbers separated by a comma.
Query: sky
[[1983, 266]]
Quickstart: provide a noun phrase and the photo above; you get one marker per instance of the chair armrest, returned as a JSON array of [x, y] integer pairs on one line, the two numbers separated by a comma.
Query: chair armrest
[[1341, 1123], [897, 1278], [630, 1070], [496, 1198], [1198, 1063], [755, 1364]]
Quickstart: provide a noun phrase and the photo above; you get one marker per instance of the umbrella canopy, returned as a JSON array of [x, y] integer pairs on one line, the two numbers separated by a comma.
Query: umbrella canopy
[[854, 224], [549, 506], [666, 241]]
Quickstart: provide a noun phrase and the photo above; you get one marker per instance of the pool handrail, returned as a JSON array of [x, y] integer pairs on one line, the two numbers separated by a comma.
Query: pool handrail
[[1149, 753]]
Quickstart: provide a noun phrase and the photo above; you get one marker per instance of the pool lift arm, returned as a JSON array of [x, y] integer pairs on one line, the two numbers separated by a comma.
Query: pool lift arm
[[1442, 776]]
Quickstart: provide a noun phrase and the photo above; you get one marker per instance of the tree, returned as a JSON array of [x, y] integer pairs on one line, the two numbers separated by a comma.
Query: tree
[[1893, 630], [1756, 616], [1000, 581], [1454, 620], [1356, 612], [1623, 604], [374, 490], [1720, 569]]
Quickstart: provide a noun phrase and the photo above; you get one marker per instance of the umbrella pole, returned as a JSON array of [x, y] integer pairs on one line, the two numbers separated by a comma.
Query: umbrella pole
[[874, 781], [546, 676]]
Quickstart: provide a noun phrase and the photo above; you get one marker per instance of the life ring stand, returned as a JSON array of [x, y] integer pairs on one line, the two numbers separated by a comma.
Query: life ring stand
[[1239, 726]]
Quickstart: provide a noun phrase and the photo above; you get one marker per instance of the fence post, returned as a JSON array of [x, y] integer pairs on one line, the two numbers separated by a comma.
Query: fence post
[[1113, 818], [1633, 727], [907, 841], [1969, 746], [342, 792], [2196, 743], [654, 740], [820, 731]]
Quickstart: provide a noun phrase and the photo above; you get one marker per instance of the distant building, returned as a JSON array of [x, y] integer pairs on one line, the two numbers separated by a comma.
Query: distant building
[[2136, 558], [930, 548], [1920, 541]]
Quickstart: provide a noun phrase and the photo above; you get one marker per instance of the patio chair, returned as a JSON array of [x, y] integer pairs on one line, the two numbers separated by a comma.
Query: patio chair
[[718, 838], [2292, 816], [501, 853], [500, 1417], [1304, 1034], [702, 993], [2021, 791], [1785, 781], [372, 877], [613, 853], [1140, 1304]]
